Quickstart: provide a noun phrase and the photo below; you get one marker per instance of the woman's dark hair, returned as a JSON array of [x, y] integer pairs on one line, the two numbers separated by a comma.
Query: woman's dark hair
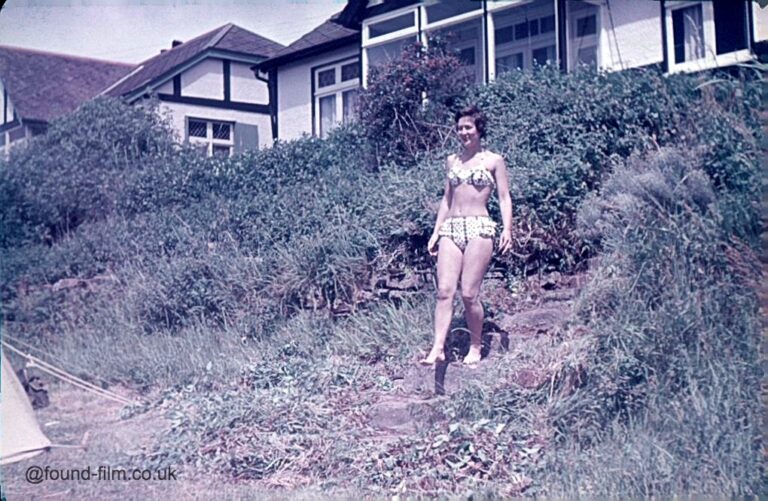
[[476, 115]]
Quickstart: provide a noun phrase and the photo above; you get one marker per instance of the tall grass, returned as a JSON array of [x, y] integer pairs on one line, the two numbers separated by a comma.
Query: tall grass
[[671, 400]]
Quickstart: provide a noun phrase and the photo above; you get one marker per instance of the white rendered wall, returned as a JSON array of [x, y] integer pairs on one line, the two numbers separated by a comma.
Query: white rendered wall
[[244, 85], [760, 15], [633, 38], [179, 112], [205, 79], [294, 92], [166, 88]]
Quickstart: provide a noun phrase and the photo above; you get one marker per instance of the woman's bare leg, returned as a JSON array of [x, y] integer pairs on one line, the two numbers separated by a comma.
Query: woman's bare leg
[[449, 258], [477, 256]]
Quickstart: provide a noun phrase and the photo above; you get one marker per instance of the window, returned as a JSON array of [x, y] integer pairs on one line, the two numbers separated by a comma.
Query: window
[[731, 25], [384, 36], [466, 39], [586, 26], [438, 11], [584, 29], [509, 62], [391, 25], [706, 34], [382, 54], [524, 35], [336, 90], [214, 138], [544, 55], [688, 33]]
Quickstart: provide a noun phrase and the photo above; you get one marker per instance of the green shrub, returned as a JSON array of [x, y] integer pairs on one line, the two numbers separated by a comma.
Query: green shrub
[[675, 325], [77, 171], [562, 134], [398, 124]]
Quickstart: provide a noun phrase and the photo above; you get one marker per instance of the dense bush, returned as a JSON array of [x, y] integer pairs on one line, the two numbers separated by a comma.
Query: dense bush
[[398, 123], [675, 325], [561, 134], [77, 171]]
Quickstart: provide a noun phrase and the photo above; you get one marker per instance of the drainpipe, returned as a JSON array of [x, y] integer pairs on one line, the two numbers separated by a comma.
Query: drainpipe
[[271, 80]]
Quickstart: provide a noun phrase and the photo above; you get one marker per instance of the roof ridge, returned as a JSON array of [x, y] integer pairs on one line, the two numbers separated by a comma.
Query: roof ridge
[[66, 56], [219, 36]]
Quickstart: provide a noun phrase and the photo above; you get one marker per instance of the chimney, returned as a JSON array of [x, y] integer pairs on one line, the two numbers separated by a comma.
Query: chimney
[[176, 43]]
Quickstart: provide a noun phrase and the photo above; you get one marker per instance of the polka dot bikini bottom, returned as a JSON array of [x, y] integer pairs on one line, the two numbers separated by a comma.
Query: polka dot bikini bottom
[[463, 229]]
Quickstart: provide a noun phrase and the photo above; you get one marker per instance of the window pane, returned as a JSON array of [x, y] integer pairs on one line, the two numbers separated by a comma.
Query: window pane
[[384, 53], [326, 77], [449, 8], [391, 25], [327, 114], [221, 130], [221, 151], [467, 56], [349, 103], [533, 27], [588, 56], [544, 55], [510, 62], [586, 26], [688, 31], [521, 31], [731, 26], [196, 128], [466, 39], [547, 24], [504, 35], [350, 71]]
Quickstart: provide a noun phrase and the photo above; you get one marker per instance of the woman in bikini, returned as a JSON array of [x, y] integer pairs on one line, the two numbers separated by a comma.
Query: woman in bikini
[[465, 231]]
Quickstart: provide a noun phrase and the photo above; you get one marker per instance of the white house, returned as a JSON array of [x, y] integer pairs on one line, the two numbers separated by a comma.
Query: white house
[[36, 87], [315, 78], [209, 88]]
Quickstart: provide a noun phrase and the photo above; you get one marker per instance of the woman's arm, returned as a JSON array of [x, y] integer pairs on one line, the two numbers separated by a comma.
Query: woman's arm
[[442, 211], [505, 203]]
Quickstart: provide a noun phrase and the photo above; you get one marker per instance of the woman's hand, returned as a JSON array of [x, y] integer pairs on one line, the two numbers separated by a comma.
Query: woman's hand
[[432, 244], [505, 241]]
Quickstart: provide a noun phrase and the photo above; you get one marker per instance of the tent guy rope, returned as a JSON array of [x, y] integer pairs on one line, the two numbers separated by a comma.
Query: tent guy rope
[[66, 376]]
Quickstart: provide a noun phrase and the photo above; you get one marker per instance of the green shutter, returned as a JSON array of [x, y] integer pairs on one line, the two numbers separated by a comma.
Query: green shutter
[[246, 137]]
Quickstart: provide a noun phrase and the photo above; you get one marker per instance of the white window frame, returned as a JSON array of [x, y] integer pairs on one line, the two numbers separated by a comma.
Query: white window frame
[[368, 43], [338, 89], [711, 59], [526, 46], [576, 42], [461, 19], [209, 141]]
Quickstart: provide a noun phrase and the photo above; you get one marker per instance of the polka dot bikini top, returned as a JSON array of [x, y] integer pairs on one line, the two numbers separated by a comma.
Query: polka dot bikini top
[[476, 176]]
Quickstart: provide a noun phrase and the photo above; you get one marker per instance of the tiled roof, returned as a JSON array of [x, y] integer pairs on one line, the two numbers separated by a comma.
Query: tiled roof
[[228, 37], [328, 33], [44, 85]]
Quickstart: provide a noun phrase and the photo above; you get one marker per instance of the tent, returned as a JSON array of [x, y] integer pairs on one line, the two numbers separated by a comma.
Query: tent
[[20, 435]]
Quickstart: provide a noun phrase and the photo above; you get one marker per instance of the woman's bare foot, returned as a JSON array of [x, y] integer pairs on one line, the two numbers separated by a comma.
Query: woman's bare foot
[[434, 357], [473, 356]]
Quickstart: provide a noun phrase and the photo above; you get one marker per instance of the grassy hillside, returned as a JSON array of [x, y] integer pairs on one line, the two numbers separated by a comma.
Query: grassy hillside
[[272, 304]]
